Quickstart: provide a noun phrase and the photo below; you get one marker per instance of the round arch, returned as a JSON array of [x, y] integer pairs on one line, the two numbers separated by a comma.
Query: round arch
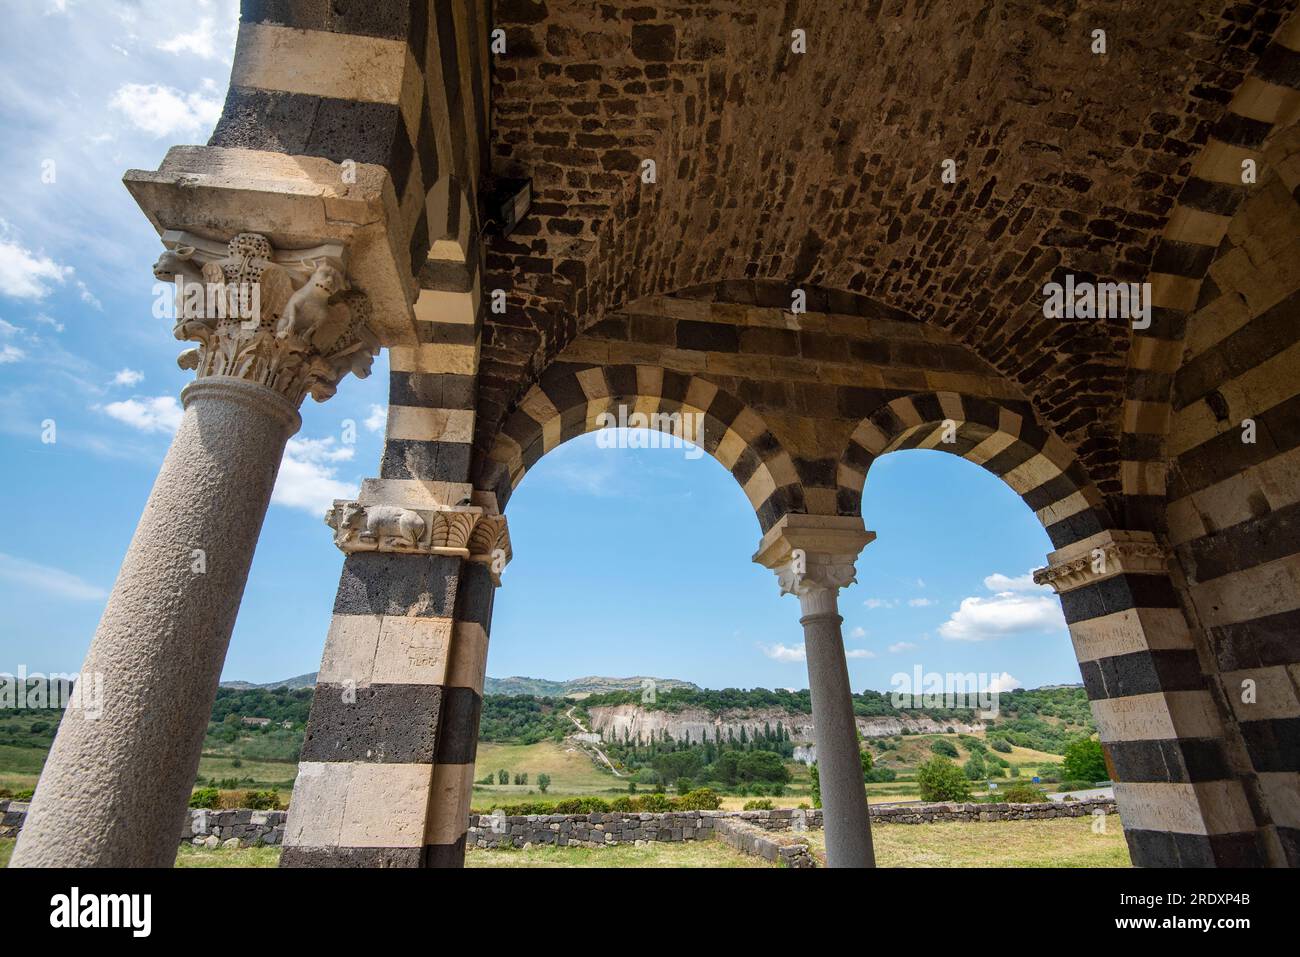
[[573, 399], [1041, 468]]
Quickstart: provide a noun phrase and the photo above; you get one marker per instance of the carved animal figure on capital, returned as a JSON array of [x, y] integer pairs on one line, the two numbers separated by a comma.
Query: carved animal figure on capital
[[384, 525], [178, 262], [309, 309]]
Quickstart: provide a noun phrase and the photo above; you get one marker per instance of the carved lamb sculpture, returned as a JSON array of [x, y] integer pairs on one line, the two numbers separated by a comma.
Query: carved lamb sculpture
[[385, 525], [309, 308]]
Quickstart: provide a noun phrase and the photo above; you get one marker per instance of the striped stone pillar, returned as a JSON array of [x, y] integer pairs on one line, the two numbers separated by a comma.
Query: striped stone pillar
[[387, 762], [386, 769], [1180, 802]]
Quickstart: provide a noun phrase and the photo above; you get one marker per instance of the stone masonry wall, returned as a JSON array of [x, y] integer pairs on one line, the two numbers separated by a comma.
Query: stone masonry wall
[[740, 829], [590, 830]]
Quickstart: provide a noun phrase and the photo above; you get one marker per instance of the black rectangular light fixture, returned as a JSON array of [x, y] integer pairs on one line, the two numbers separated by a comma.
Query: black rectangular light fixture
[[506, 202]]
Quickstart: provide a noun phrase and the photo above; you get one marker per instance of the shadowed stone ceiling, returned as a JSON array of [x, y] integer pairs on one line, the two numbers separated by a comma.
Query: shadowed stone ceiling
[[824, 168]]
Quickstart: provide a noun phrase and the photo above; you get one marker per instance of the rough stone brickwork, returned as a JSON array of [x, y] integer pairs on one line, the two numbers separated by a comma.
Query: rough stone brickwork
[[770, 165]]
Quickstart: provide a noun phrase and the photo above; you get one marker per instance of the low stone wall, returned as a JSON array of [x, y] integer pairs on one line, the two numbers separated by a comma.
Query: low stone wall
[[745, 837], [929, 813], [234, 828], [12, 815], [591, 830], [250, 828]]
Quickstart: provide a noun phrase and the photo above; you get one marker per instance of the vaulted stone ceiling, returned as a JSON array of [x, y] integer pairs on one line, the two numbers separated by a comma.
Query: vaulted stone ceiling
[[824, 167]]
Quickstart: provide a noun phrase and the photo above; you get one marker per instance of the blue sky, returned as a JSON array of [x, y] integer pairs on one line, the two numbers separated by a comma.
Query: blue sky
[[626, 561]]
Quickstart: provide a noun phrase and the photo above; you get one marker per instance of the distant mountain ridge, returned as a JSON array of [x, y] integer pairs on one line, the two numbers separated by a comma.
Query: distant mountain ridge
[[301, 681], [592, 684], [515, 685]]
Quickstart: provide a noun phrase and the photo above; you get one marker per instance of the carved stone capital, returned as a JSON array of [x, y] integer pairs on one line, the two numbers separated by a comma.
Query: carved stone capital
[[814, 556], [468, 532], [285, 319], [1104, 555]]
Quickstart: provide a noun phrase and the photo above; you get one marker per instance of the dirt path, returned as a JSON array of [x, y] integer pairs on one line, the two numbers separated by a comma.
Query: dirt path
[[593, 747]]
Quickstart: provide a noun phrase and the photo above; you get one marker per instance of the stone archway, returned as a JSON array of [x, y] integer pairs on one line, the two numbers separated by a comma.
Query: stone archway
[[1163, 735], [572, 399], [923, 296]]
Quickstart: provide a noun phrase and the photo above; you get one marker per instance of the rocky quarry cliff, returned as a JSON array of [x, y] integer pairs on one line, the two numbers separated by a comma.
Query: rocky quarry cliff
[[611, 722]]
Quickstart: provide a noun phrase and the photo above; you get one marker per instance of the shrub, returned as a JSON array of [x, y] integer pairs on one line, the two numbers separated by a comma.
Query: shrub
[[701, 799], [760, 804], [946, 748], [654, 803], [1073, 786], [1023, 794], [209, 798], [1001, 744], [941, 780], [263, 800], [1084, 761], [583, 805], [24, 795]]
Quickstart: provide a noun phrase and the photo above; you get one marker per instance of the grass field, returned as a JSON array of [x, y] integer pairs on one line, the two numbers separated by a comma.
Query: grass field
[[1062, 842], [1058, 842], [693, 854]]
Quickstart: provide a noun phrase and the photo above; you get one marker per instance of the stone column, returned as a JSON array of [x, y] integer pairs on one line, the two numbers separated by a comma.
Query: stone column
[[117, 782], [813, 556]]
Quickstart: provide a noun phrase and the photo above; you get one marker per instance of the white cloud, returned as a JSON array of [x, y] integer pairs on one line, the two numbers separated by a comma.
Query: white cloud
[[202, 41], [88, 297], [50, 321], [1006, 613], [160, 413], [921, 602], [377, 417], [999, 582], [1004, 682], [7, 328], [858, 632], [128, 377], [164, 111], [53, 581], [307, 475], [859, 653], [25, 274], [920, 583], [10, 353], [898, 646], [779, 652], [881, 603]]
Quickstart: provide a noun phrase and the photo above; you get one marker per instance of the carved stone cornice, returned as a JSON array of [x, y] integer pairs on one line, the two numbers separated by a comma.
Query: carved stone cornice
[[285, 319], [1103, 555], [468, 532]]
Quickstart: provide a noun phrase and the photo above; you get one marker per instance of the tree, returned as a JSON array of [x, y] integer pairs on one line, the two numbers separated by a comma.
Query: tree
[[946, 748], [816, 780], [941, 780], [1084, 761], [543, 782], [503, 776], [762, 766]]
